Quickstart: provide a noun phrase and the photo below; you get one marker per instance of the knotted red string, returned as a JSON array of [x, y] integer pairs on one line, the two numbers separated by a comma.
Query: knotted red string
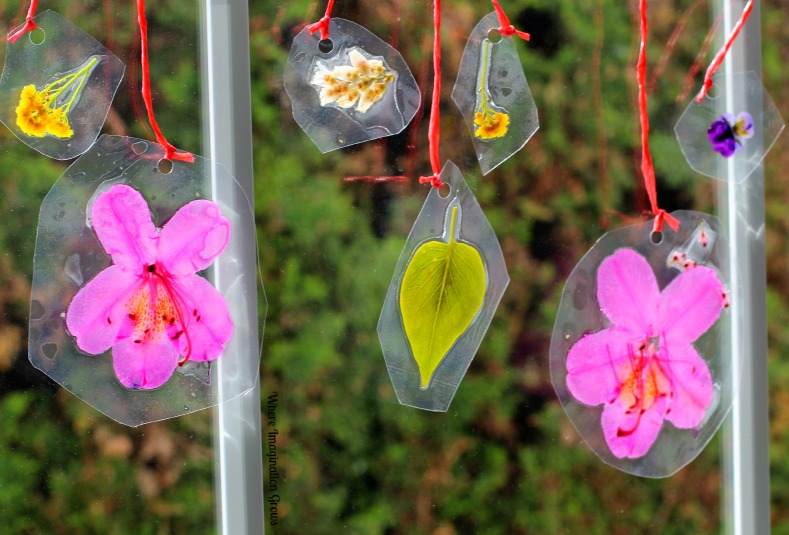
[[721, 55], [646, 156], [505, 27], [323, 24], [29, 25], [434, 130], [170, 152]]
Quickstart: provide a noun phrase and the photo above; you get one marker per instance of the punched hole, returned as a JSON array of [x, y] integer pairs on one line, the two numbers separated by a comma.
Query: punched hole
[[714, 92], [325, 45], [444, 191], [341, 140], [656, 237], [165, 166], [494, 35], [37, 36]]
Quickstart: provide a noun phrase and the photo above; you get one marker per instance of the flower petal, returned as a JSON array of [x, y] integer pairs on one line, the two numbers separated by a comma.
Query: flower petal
[[346, 73], [97, 316], [207, 318], [359, 62], [627, 291], [324, 78], [145, 365], [631, 434], [193, 238], [348, 98], [690, 305], [691, 385], [122, 221], [592, 365]]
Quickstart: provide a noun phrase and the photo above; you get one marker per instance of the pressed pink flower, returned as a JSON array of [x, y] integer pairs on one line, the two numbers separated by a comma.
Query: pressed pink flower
[[150, 307], [644, 368]]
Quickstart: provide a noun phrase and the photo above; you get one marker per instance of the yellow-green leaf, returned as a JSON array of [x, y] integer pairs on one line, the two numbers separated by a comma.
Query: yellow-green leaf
[[443, 289]]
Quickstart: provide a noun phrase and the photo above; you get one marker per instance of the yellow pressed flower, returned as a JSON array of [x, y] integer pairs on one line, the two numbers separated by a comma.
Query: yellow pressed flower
[[363, 83], [32, 114], [491, 125], [43, 112], [490, 121], [58, 125]]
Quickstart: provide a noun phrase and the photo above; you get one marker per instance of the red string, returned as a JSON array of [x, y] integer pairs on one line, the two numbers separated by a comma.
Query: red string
[[323, 24], [687, 85], [721, 55], [505, 27], [646, 157], [29, 25], [375, 179], [169, 151], [434, 130]]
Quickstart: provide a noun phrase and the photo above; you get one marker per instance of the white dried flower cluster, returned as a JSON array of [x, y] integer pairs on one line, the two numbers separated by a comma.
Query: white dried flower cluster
[[363, 82]]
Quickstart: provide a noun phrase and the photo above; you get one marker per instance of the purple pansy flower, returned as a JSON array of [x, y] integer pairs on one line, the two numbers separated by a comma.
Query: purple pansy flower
[[726, 132], [644, 368], [150, 306]]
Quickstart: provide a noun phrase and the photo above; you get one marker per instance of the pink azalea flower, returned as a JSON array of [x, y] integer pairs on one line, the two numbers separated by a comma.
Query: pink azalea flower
[[644, 368], [150, 307]]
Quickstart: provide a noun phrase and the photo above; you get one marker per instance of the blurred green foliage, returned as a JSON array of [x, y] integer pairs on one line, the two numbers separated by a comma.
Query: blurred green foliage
[[504, 459]]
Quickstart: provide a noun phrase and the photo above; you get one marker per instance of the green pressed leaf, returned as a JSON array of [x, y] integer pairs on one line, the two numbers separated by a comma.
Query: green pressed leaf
[[443, 289]]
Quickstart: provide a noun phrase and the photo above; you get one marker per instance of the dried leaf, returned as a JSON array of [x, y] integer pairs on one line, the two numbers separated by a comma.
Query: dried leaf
[[443, 289]]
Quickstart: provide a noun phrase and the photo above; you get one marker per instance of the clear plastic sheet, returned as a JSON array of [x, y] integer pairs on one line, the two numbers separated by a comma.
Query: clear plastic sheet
[[493, 96], [713, 144], [82, 77], [68, 255], [350, 88], [435, 224], [686, 388]]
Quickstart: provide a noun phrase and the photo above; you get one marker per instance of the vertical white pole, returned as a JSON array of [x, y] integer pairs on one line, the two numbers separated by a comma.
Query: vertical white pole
[[746, 450], [225, 66]]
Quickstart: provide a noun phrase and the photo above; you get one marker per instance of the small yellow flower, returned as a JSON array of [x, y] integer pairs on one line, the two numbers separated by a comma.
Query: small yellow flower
[[364, 82], [490, 120], [32, 115], [58, 125], [44, 112], [491, 125]]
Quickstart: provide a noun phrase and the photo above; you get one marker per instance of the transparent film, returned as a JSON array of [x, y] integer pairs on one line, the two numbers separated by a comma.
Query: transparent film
[[350, 88], [728, 133], [447, 284], [57, 87], [640, 356], [493, 96], [136, 260]]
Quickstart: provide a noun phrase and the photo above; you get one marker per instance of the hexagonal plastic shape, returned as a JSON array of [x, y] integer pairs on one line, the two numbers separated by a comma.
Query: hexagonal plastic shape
[[750, 96], [501, 74], [430, 225], [68, 254], [700, 240], [65, 49], [333, 127]]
